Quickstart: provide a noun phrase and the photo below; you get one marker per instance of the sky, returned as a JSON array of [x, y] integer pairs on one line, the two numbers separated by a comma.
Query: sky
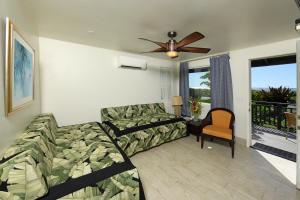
[[262, 77], [274, 76], [194, 80]]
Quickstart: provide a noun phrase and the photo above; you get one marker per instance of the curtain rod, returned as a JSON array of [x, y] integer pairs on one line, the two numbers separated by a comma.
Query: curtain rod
[[204, 57]]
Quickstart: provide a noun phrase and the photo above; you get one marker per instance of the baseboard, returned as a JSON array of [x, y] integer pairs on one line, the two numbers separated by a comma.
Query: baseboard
[[241, 141]]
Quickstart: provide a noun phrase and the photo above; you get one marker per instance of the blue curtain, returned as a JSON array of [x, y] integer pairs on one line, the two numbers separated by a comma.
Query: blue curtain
[[221, 82], [184, 88]]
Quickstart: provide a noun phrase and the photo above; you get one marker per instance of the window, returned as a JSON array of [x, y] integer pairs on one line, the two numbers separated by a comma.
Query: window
[[199, 84]]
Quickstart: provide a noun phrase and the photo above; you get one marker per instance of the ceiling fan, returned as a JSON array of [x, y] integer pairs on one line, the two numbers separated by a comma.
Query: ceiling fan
[[172, 47]]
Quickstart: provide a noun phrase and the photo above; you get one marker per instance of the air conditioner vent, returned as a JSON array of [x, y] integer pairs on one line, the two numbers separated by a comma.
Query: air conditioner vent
[[128, 62], [130, 67]]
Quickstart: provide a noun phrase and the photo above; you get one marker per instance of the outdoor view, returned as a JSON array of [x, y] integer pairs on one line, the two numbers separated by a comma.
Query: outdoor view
[[199, 84], [276, 76], [273, 90], [274, 109]]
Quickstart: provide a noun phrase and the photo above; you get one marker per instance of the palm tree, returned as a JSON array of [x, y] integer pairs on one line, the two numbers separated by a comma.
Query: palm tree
[[281, 95], [206, 77]]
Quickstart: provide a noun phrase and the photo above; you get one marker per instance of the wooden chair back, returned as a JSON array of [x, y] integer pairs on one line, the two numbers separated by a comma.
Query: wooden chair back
[[290, 119]]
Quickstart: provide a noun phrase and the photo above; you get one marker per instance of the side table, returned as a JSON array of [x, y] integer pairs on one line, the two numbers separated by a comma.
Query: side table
[[195, 128]]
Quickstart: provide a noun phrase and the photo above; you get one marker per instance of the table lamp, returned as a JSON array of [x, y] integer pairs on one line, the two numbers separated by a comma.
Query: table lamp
[[177, 103]]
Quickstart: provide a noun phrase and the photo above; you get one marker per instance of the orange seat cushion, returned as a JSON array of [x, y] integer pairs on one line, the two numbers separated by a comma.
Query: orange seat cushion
[[217, 131]]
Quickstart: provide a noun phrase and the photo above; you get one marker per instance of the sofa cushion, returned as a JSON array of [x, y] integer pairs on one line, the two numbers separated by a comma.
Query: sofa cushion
[[122, 186], [45, 158], [45, 123], [149, 109], [147, 131], [131, 111], [81, 149], [23, 177], [123, 124], [30, 159], [24, 168], [141, 140]]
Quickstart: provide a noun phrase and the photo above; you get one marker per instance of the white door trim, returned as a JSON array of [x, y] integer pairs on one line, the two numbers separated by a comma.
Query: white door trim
[[298, 114], [249, 116]]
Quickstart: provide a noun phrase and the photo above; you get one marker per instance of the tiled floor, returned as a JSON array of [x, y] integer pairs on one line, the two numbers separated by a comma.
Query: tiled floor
[[182, 170], [274, 138]]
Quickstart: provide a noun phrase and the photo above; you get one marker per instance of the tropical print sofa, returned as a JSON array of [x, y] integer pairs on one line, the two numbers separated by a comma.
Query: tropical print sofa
[[137, 128], [72, 162]]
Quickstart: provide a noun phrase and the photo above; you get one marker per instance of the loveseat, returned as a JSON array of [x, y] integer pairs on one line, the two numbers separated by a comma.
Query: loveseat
[[137, 128], [72, 162]]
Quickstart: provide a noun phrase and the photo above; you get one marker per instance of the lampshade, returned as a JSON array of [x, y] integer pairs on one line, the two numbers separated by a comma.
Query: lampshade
[[172, 54], [177, 101]]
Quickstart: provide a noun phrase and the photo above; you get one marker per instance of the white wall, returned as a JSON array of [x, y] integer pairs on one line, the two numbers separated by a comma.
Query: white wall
[[199, 63], [9, 127], [78, 80], [240, 70]]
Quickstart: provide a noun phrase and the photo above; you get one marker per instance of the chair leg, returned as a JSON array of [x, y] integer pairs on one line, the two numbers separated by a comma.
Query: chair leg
[[202, 140], [232, 148]]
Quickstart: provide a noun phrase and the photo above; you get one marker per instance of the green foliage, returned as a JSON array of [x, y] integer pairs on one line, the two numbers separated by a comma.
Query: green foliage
[[256, 95], [281, 95], [200, 94], [203, 94], [206, 100], [206, 80]]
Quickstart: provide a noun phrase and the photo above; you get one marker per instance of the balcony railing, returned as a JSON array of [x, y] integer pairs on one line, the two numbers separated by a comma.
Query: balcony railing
[[271, 114]]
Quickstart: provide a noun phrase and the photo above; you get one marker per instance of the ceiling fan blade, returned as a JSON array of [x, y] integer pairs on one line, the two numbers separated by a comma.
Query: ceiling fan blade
[[193, 37], [156, 50], [194, 49], [161, 44]]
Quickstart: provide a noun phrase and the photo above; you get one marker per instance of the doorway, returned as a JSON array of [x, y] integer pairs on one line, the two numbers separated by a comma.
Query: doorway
[[273, 106]]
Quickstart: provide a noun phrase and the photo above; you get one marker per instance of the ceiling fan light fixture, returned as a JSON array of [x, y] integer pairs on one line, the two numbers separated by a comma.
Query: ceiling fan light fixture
[[172, 54], [172, 47]]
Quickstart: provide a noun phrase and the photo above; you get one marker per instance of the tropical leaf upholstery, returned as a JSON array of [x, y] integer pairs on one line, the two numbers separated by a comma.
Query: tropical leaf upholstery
[[146, 126], [122, 124], [81, 149], [131, 111], [45, 156]]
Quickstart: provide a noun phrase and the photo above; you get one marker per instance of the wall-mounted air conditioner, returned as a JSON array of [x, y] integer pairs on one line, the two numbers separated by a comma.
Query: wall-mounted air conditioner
[[127, 62]]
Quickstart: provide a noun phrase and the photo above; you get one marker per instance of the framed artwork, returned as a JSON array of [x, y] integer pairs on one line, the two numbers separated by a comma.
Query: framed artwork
[[19, 70]]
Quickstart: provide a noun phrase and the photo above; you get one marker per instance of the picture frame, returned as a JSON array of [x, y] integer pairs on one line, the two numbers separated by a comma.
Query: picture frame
[[19, 70]]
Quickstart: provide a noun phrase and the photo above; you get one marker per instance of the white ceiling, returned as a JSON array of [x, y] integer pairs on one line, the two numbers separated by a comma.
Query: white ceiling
[[227, 24]]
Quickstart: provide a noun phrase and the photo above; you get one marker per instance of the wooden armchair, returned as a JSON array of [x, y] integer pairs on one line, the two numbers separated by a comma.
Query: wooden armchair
[[219, 123]]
